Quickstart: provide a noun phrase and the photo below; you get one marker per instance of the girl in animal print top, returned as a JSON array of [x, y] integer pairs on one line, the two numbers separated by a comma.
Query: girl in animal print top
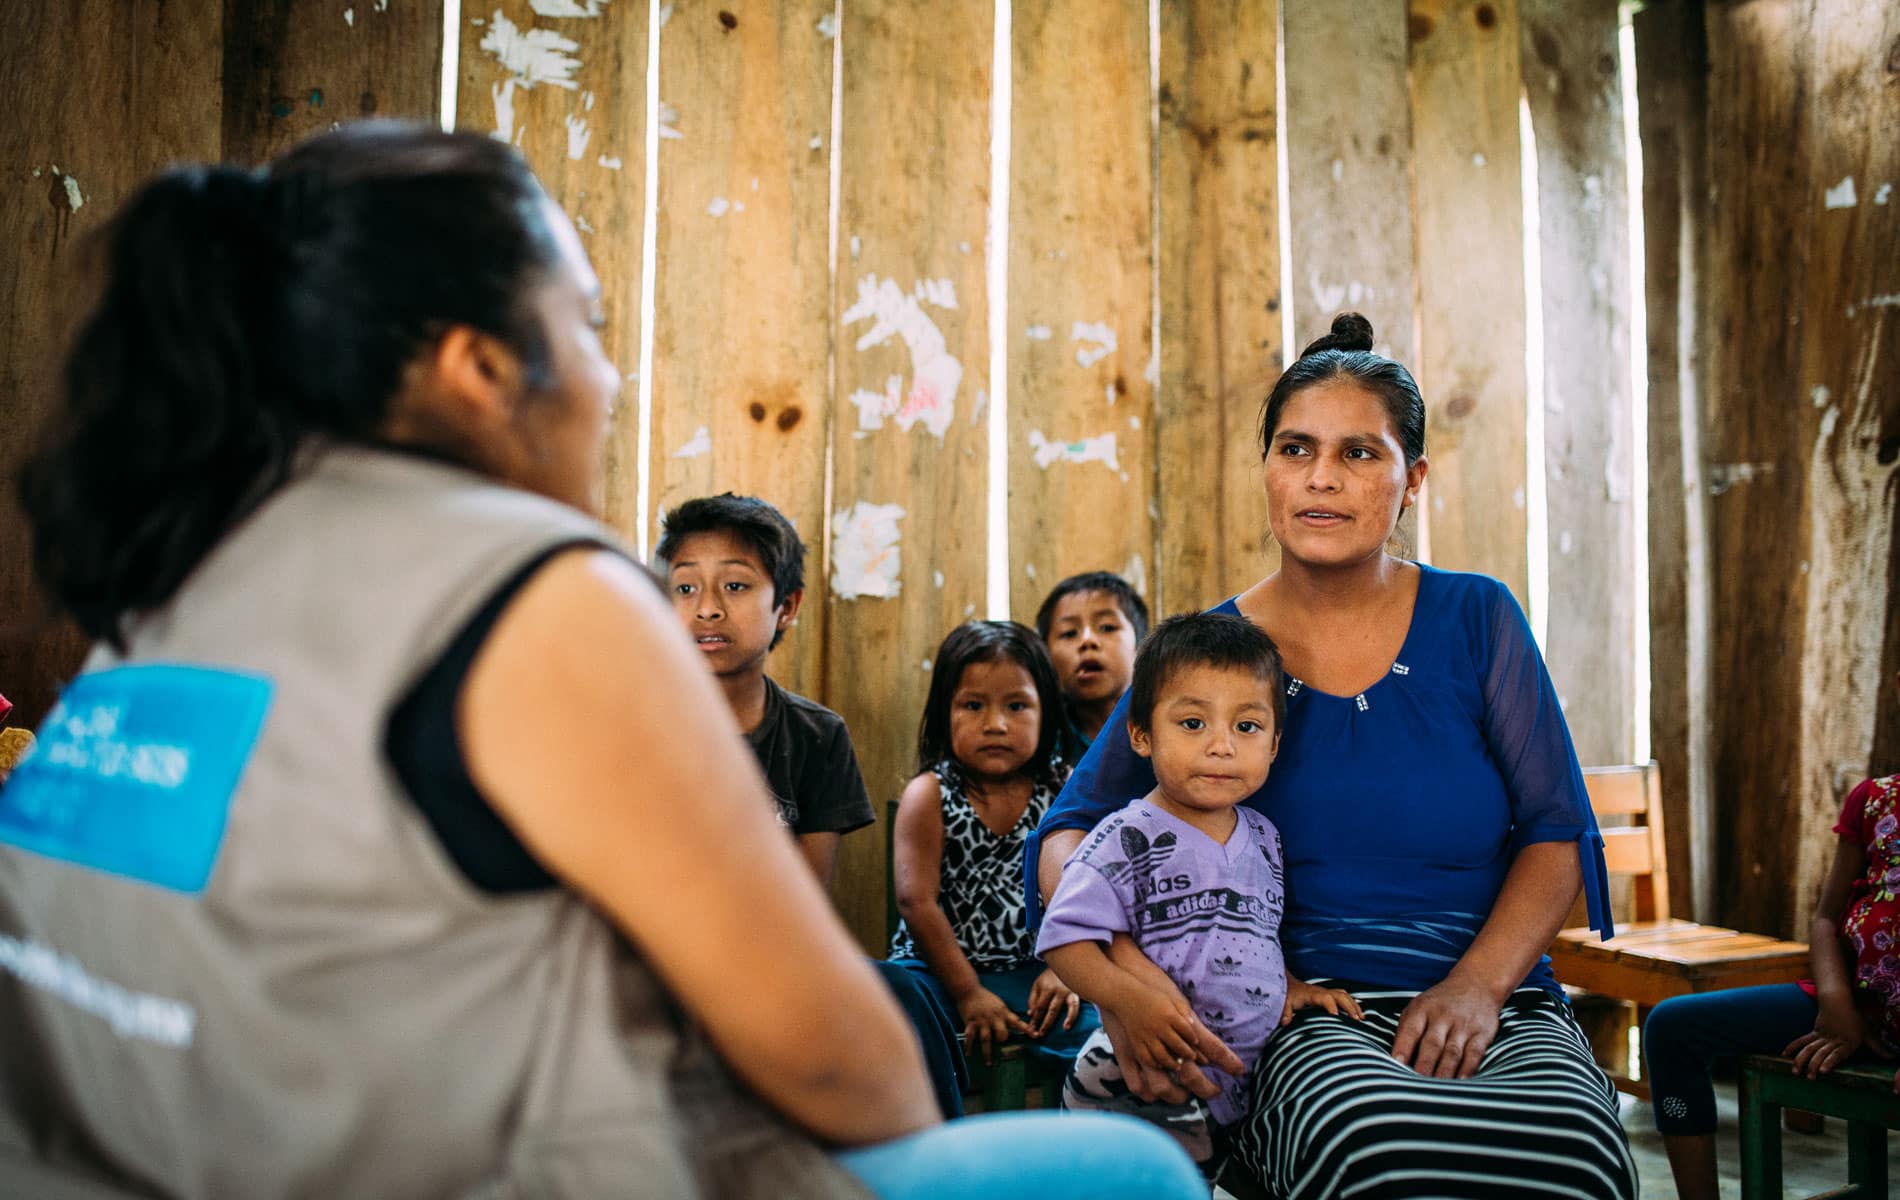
[[987, 769]]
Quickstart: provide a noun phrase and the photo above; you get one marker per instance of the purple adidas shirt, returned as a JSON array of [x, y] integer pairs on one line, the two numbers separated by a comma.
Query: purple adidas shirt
[[1207, 914]]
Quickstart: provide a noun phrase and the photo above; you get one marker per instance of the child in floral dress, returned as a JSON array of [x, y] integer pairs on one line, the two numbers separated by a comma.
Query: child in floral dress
[[1852, 1003]]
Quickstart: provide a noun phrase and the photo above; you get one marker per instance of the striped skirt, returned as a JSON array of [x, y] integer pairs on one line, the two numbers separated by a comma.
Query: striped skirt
[[1336, 1116]]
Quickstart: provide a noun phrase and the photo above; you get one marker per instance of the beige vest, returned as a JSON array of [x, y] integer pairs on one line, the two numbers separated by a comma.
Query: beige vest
[[361, 1022]]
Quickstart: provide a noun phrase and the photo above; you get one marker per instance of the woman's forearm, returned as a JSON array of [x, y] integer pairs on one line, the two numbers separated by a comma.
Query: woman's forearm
[[1539, 889], [1057, 845]]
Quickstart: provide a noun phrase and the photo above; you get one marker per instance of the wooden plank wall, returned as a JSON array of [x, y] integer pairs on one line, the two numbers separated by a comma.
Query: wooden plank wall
[[1349, 178], [1569, 55], [100, 94], [1219, 245], [912, 394], [1671, 82], [1470, 252], [742, 299], [1791, 296], [291, 70], [1081, 297], [585, 133]]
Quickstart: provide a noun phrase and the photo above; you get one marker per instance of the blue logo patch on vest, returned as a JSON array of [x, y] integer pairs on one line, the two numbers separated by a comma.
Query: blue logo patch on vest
[[135, 770]]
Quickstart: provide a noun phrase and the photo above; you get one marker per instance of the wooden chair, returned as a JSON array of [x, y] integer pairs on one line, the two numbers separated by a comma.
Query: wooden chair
[[1653, 955], [1859, 1093], [15, 745]]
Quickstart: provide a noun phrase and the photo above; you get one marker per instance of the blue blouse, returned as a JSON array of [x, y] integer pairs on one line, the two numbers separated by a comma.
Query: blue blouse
[[1402, 807]]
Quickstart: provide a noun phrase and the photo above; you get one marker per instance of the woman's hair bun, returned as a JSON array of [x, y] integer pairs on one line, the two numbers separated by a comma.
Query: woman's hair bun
[[1351, 331]]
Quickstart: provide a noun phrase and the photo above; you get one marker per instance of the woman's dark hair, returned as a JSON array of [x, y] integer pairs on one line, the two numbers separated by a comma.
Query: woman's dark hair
[[753, 522], [985, 642], [246, 313], [1204, 639], [1346, 353]]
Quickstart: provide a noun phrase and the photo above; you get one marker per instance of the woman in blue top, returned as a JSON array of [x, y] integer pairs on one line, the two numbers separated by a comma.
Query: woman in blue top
[[1436, 831]]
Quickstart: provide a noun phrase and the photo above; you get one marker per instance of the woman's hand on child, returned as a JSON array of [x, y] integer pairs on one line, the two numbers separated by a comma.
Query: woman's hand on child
[[987, 1021], [1838, 1032], [1050, 1001], [1334, 1000]]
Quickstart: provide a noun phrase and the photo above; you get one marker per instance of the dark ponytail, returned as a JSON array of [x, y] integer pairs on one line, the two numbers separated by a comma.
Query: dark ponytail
[[245, 314], [1346, 353]]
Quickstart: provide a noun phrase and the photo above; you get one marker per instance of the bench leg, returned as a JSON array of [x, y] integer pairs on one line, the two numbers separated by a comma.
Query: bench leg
[[1761, 1142], [1007, 1085], [1867, 1158]]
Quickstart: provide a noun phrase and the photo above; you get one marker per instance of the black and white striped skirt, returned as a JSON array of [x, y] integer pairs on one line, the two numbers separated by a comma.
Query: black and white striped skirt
[[1336, 1116]]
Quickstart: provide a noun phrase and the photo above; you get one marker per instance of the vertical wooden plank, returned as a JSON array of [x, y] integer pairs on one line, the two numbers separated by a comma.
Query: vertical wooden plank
[[580, 119], [293, 69], [1759, 430], [1569, 55], [1081, 287], [1349, 179], [98, 95], [1848, 393], [1349, 187], [1219, 275], [1465, 94], [1671, 95], [742, 302], [912, 383]]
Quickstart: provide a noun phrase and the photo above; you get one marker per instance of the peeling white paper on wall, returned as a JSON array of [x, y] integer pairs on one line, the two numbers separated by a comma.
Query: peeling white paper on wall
[[700, 443], [935, 373], [864, 551], [1096, 341], [1099, 449]]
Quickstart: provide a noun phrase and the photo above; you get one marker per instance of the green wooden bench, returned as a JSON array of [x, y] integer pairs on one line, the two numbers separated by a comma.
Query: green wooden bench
[[1861, 1094]]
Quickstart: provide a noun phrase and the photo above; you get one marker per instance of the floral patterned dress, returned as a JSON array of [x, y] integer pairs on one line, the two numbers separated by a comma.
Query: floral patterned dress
[[1871, 817]]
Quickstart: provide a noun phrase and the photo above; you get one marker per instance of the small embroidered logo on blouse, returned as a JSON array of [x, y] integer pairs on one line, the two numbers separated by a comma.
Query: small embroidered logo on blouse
[[1293, 687], [1401, 669], [1360, 702]]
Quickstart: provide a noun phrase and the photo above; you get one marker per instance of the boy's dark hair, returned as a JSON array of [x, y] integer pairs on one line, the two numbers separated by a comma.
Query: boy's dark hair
[[1204, 640], [1132, 605], [982, 642], [762, 527]]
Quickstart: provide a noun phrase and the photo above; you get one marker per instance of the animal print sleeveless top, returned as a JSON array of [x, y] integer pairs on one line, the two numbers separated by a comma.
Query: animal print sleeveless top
[[981, 890]]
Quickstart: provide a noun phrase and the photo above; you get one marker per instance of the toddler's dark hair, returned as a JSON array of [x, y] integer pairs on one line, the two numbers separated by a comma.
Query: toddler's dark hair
[[1132, 605], [1346, 353], [764, 528], [1204, 640], [984, 642]]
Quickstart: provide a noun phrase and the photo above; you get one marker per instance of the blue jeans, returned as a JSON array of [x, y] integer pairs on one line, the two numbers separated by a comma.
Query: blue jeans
[[1012, 988], [1019, 1156], [1685, 1034]]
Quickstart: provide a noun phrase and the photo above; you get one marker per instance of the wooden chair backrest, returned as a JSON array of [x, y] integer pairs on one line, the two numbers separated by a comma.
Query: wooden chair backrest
[[1627, 801]]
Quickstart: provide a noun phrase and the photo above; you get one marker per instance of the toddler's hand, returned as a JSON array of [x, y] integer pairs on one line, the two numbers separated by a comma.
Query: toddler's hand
[[1050, 1000], [1304, 995], [987, 1021]]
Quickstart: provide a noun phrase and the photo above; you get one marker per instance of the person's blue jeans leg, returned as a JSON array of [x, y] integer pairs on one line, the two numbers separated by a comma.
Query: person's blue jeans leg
[[937, 1033], [1030, 1156], [1685, 1034]]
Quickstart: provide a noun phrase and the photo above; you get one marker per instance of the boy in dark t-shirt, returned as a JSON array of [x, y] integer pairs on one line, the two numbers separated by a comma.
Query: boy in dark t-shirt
[[735, 569]]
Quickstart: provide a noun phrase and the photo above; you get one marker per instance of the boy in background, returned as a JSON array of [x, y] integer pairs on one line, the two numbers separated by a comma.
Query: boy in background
[[735, 570], [1092, 624]]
